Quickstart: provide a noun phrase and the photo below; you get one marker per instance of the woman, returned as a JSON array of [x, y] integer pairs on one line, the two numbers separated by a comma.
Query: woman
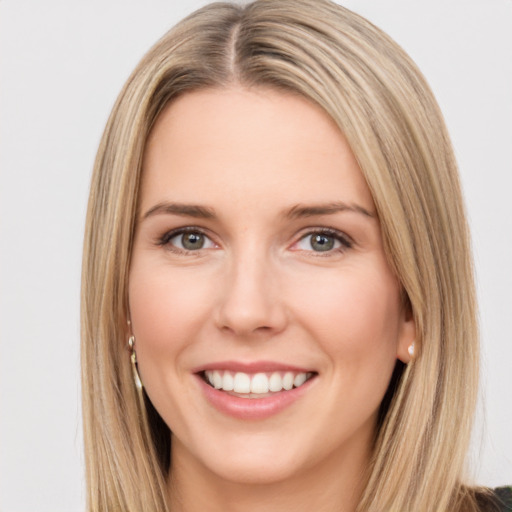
[[278, 302]]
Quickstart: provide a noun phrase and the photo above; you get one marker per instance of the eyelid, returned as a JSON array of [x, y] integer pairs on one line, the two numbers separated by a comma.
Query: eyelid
[[346, 241], [164, 239]]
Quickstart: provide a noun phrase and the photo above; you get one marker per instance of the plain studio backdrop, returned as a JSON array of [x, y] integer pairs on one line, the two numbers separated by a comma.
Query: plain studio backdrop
[[62, 66]]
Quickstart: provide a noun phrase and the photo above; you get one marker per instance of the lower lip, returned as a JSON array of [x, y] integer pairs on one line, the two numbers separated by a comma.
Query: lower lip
[[252, 408]]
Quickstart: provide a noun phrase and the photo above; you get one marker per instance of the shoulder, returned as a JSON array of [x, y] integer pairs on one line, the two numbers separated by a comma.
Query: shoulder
[[504, 498], [497, 500]]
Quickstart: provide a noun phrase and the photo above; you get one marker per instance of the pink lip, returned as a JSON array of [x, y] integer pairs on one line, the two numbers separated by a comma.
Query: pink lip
[[251, 367], [252, 408]]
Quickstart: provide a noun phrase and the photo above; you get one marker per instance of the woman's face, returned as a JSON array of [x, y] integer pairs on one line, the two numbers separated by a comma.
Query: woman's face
[[258, 266]]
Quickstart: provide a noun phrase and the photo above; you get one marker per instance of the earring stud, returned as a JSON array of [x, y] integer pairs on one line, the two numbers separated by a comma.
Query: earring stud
[[410, 349], [133, 359]]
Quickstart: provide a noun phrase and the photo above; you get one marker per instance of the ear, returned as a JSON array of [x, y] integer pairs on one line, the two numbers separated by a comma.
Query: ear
[[407, 335]]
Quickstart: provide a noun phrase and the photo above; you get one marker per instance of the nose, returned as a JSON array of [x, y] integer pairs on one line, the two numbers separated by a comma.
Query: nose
[[251, 301]]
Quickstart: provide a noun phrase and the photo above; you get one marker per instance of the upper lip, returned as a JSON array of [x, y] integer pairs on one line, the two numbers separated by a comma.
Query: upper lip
[[251, 367]]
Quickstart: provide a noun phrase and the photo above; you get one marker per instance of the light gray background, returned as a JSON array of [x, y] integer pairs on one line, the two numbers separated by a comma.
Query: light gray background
[[62, 63]]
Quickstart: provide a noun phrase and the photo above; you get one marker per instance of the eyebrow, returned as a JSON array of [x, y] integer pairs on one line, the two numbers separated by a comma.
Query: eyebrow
[[299, 210], [185, 210], [296, 212]]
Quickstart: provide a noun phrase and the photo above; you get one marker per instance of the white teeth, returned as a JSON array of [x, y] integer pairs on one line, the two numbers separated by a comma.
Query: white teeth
[[299, 379], [257, 383], [217, 380], [275, 382], [242, 383], [228, 382], [288, 381]]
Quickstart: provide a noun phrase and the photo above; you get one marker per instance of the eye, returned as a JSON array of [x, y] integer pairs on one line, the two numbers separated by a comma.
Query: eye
[[323, 241], [187, 239]]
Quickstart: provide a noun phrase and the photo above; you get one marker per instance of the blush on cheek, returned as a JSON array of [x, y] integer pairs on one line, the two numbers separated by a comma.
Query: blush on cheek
[[355, 321], [167, 308]]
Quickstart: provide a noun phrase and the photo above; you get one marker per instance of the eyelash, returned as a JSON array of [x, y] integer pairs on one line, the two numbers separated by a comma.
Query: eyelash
[[345, 241], [164, 240]]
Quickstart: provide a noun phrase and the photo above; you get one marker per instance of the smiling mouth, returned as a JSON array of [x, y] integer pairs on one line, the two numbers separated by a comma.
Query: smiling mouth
[[255, 385]]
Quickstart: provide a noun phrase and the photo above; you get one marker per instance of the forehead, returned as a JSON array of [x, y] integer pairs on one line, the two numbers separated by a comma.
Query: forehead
[[250, 144]]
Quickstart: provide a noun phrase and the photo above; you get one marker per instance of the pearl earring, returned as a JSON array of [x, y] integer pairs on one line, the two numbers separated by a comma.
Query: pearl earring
[[133, 359], [411, 349]]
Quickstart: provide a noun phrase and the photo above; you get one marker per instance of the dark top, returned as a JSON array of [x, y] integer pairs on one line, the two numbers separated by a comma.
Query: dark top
[[504, 498], [500, 500]]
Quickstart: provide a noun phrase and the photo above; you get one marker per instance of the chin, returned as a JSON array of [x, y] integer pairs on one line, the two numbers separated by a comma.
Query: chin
[[248, 459], [254, 471]]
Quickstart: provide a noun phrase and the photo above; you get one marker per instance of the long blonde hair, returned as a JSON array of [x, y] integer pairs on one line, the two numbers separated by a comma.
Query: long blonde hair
[[381, 102]]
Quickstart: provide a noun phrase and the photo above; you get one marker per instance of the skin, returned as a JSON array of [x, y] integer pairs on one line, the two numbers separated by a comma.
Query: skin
[[258, 290]]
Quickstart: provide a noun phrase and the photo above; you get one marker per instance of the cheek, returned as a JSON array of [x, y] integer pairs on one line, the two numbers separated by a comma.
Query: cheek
[[354, 315], [167, 309]]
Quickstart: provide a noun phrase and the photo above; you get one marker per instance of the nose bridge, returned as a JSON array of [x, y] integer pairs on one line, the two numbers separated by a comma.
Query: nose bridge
[[250, 300]]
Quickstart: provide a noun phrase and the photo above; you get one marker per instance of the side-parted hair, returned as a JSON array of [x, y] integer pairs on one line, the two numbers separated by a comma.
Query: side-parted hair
[[380, 101]]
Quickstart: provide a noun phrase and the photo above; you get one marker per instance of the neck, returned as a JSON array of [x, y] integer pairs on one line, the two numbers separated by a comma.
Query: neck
[[335, 485]]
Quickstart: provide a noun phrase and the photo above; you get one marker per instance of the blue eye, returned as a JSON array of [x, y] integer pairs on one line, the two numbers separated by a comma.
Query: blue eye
[[323, 241], [187, 240]]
